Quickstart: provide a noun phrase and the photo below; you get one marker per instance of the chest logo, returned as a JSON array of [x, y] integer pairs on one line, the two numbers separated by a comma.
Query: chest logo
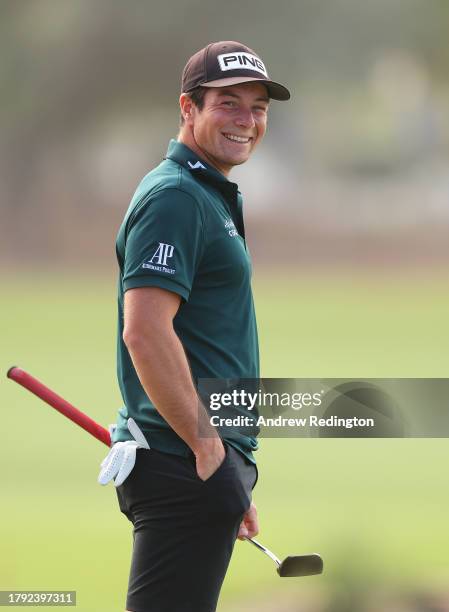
[[159, 259], [229, 225]]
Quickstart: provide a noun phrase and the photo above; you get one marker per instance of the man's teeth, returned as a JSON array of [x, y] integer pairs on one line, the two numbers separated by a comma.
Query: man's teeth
[[237, 138]]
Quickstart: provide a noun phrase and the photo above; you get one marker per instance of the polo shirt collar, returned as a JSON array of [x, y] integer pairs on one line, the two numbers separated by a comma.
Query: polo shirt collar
[[181, 154]]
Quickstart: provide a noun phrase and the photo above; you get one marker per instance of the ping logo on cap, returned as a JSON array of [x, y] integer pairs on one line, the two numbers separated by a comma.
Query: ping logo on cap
[[241, 59]]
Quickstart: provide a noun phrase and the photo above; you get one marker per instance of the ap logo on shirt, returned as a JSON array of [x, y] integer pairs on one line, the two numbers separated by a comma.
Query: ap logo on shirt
[[162, 253], [158, 261]]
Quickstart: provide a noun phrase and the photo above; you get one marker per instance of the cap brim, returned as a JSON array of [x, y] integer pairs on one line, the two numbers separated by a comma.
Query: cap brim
[[275, 90]]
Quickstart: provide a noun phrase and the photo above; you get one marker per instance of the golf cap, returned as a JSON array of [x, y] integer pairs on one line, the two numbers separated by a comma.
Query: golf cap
[[227, 63]]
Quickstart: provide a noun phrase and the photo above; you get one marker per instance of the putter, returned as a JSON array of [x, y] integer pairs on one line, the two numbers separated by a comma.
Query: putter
[[299, 565]]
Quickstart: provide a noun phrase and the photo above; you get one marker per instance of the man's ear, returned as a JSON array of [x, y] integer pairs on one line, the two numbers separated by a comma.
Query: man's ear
[[186, 106]]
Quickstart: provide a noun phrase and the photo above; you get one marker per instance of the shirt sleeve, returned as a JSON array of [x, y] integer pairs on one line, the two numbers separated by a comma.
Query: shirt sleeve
[[164, 243]]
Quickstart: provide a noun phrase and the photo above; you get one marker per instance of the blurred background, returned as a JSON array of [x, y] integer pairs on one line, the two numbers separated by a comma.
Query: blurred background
[[347, 219]]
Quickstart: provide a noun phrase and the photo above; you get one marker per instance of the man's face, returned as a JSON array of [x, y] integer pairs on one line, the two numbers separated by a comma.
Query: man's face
[[232, 122]]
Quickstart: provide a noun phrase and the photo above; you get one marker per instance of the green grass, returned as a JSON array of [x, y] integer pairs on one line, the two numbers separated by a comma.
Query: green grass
[[382, 502]]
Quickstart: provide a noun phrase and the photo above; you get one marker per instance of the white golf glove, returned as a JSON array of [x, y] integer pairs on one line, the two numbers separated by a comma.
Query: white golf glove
[[122, 456]]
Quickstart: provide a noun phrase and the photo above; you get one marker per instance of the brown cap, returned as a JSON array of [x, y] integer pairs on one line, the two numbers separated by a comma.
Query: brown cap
[[228, 63]]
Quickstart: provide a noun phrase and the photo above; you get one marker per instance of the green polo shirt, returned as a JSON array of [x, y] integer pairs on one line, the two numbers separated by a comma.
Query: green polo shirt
[[184, 232]]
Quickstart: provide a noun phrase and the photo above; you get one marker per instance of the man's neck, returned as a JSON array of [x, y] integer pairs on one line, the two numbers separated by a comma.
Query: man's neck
[[188, 140]]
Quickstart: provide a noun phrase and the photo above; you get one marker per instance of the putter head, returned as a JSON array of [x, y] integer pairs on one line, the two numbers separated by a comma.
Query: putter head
[[301, 565]]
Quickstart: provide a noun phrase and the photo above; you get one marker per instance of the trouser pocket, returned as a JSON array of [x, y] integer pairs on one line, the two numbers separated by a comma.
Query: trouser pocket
[[228, 490]]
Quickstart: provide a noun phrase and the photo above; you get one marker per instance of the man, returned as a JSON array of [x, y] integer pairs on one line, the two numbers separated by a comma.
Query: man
[[186, 313]]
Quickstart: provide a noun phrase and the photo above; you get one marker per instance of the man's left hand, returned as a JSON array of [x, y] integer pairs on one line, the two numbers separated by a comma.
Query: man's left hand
[[249, 527]]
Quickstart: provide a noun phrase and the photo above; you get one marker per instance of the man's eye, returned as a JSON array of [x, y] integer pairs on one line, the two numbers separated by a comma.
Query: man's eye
[[229, 103]]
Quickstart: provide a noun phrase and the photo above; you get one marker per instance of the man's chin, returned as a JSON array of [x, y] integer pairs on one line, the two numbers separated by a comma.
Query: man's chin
[[237, 160], [239, 163]]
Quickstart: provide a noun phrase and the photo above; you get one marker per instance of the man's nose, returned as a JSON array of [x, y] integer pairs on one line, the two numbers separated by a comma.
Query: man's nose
[[245, 119]]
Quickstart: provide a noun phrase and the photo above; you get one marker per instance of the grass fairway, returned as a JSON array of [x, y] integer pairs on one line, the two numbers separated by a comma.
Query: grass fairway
[[382, 503]]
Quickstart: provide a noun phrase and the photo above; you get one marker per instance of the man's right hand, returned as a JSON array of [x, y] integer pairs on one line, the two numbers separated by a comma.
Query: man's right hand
[[209, 457]]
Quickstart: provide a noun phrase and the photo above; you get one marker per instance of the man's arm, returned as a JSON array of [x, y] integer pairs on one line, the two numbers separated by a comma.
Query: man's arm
[[163, 370]]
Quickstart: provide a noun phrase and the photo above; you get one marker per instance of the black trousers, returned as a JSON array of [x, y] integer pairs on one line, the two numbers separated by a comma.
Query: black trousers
[[184, 529]]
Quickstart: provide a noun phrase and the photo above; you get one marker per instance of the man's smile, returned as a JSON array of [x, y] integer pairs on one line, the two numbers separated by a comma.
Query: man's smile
[[235, 138]]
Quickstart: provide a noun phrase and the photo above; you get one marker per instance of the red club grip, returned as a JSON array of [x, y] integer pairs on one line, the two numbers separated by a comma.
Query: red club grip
[[58, 403]]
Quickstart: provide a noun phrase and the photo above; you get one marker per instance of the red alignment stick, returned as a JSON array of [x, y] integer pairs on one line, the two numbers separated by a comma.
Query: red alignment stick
[[60, 404]]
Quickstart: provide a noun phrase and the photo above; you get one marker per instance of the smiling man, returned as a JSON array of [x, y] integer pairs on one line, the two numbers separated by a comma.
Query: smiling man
[[186, 312]]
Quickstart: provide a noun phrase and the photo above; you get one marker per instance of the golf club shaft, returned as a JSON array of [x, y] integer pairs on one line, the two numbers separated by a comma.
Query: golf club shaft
[[58, 403], [265, 550]]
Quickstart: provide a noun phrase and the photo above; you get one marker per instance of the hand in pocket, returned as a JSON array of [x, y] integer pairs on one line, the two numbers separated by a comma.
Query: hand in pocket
[[210, 458]]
